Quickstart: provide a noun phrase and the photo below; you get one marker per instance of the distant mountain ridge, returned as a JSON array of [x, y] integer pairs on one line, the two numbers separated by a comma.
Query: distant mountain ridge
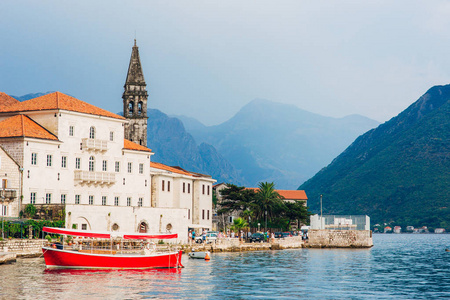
[[173, 146], [269, 141], [398, 172], [31, 96]]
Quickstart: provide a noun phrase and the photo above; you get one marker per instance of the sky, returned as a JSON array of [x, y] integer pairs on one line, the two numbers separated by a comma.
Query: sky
[[207, 59]]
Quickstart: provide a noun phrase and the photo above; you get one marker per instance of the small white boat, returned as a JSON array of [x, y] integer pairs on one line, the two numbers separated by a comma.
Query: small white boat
[[200, 254]]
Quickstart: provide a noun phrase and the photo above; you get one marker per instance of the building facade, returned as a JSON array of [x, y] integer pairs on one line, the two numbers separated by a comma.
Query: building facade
[[76, 161]]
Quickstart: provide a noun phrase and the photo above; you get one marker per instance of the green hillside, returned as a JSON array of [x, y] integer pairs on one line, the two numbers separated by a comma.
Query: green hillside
[[398, 172]]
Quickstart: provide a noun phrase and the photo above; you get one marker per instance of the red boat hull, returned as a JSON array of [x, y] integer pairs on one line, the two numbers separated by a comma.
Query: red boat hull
[[55, 258]]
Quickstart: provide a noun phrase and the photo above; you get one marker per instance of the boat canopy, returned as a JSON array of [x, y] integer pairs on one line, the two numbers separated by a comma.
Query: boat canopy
[[109, 235]]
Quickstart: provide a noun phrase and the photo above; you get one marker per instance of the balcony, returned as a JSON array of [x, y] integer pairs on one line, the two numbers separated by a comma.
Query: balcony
[[93, 144], [8, 195], [95, 177]]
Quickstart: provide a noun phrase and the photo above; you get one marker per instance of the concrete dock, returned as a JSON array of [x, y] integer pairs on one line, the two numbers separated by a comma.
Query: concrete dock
[[7, 257]]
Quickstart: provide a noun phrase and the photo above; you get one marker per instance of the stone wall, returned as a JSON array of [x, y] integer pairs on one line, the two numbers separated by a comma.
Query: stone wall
[[323, 238], [22, 247]]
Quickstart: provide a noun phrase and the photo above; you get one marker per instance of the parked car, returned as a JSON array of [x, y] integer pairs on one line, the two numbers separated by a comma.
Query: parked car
[[256, 237], [211, 237], [286, 234], [278, 235]]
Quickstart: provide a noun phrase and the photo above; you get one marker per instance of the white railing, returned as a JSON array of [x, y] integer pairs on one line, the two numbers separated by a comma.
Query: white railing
[[93, 144], [95, 177]]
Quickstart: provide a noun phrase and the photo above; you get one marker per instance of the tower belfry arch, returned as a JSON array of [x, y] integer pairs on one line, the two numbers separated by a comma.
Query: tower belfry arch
[[135, 100]]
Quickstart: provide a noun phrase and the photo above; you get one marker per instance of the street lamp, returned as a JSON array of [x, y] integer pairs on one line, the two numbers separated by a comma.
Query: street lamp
[[265, 228], [259, 224]]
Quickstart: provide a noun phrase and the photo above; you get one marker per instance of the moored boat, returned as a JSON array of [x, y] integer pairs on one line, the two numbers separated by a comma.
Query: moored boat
[[200, 254], [110, 251]]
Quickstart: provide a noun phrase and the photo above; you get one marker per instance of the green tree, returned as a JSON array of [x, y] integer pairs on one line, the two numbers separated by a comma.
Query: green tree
[[268, 201], [30, 210], [238, 225], [296, 211], [236, 198]]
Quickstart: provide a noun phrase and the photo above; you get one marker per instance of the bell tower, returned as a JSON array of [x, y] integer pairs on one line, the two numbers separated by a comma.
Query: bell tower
[[135, 101]]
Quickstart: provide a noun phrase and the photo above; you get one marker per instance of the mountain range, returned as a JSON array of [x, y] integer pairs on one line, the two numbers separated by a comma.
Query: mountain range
[[398, 173], [281, 143], [173, 146]]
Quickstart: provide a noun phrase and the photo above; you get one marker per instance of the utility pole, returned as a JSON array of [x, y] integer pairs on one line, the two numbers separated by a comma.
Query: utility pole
[[321, 212]]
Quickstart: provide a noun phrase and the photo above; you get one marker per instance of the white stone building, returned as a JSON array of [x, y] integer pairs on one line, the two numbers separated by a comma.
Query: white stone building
[[69, 157]]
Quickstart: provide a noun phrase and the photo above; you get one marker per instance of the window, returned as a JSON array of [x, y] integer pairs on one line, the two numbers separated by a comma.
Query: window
[[145, 182], [162, 186], [116, 201], [140, 107], [140, 201], [130, 167], [208, 189], [124, 181], [207, 214], [64, 162], [103, 200], [111, 136], [77, 163], [189, 214], [168, 185], [83, 226], [105, 166], [203, 189], [189, 188], [203, 214], [129, 201], [91, 164], [77, 199], [117, 166], [49, 160], [130, 107], [63, 199], [184, 187], [141, 168], [92, 132], [48, 198], [34, 158], [70, 130], [91, 200], [33, 198]]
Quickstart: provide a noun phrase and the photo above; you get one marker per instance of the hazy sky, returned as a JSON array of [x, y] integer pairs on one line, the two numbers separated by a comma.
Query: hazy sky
[[206, 59]]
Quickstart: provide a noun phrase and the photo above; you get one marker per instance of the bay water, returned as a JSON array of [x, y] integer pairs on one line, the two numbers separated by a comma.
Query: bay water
[[399, 266]]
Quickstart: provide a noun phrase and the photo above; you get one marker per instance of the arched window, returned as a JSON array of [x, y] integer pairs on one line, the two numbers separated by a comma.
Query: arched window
[[131, 107], [91, 164], [142, 227], [140, 107], [92, 132]]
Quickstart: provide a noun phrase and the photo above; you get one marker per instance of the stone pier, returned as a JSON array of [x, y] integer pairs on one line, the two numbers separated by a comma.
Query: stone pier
[[7, 257], [325, 238], [22, 247]]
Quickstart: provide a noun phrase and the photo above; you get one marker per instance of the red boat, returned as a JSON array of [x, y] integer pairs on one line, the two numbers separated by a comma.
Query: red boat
[[110, 251]]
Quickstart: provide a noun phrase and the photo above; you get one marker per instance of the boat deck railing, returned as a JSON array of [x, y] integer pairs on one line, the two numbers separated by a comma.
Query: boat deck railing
[[95, 246]]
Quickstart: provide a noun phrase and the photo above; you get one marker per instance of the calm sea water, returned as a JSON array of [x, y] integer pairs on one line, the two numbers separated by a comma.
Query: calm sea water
[[397, 267]]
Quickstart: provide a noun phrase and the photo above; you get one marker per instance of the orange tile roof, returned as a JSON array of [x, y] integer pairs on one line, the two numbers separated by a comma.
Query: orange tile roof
[[288, 194], [23, 126], [170, 169], [7, 100], [61, 101], [293, 194], [133, 146]]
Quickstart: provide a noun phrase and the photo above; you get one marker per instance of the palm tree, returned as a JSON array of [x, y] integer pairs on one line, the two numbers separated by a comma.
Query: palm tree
[[238, 225], [268, 200]]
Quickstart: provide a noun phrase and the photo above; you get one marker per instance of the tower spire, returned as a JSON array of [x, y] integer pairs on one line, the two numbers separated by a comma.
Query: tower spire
[[135, 100]]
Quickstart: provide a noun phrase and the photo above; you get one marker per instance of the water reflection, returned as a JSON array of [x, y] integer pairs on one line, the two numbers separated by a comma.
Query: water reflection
[[398, 267]]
